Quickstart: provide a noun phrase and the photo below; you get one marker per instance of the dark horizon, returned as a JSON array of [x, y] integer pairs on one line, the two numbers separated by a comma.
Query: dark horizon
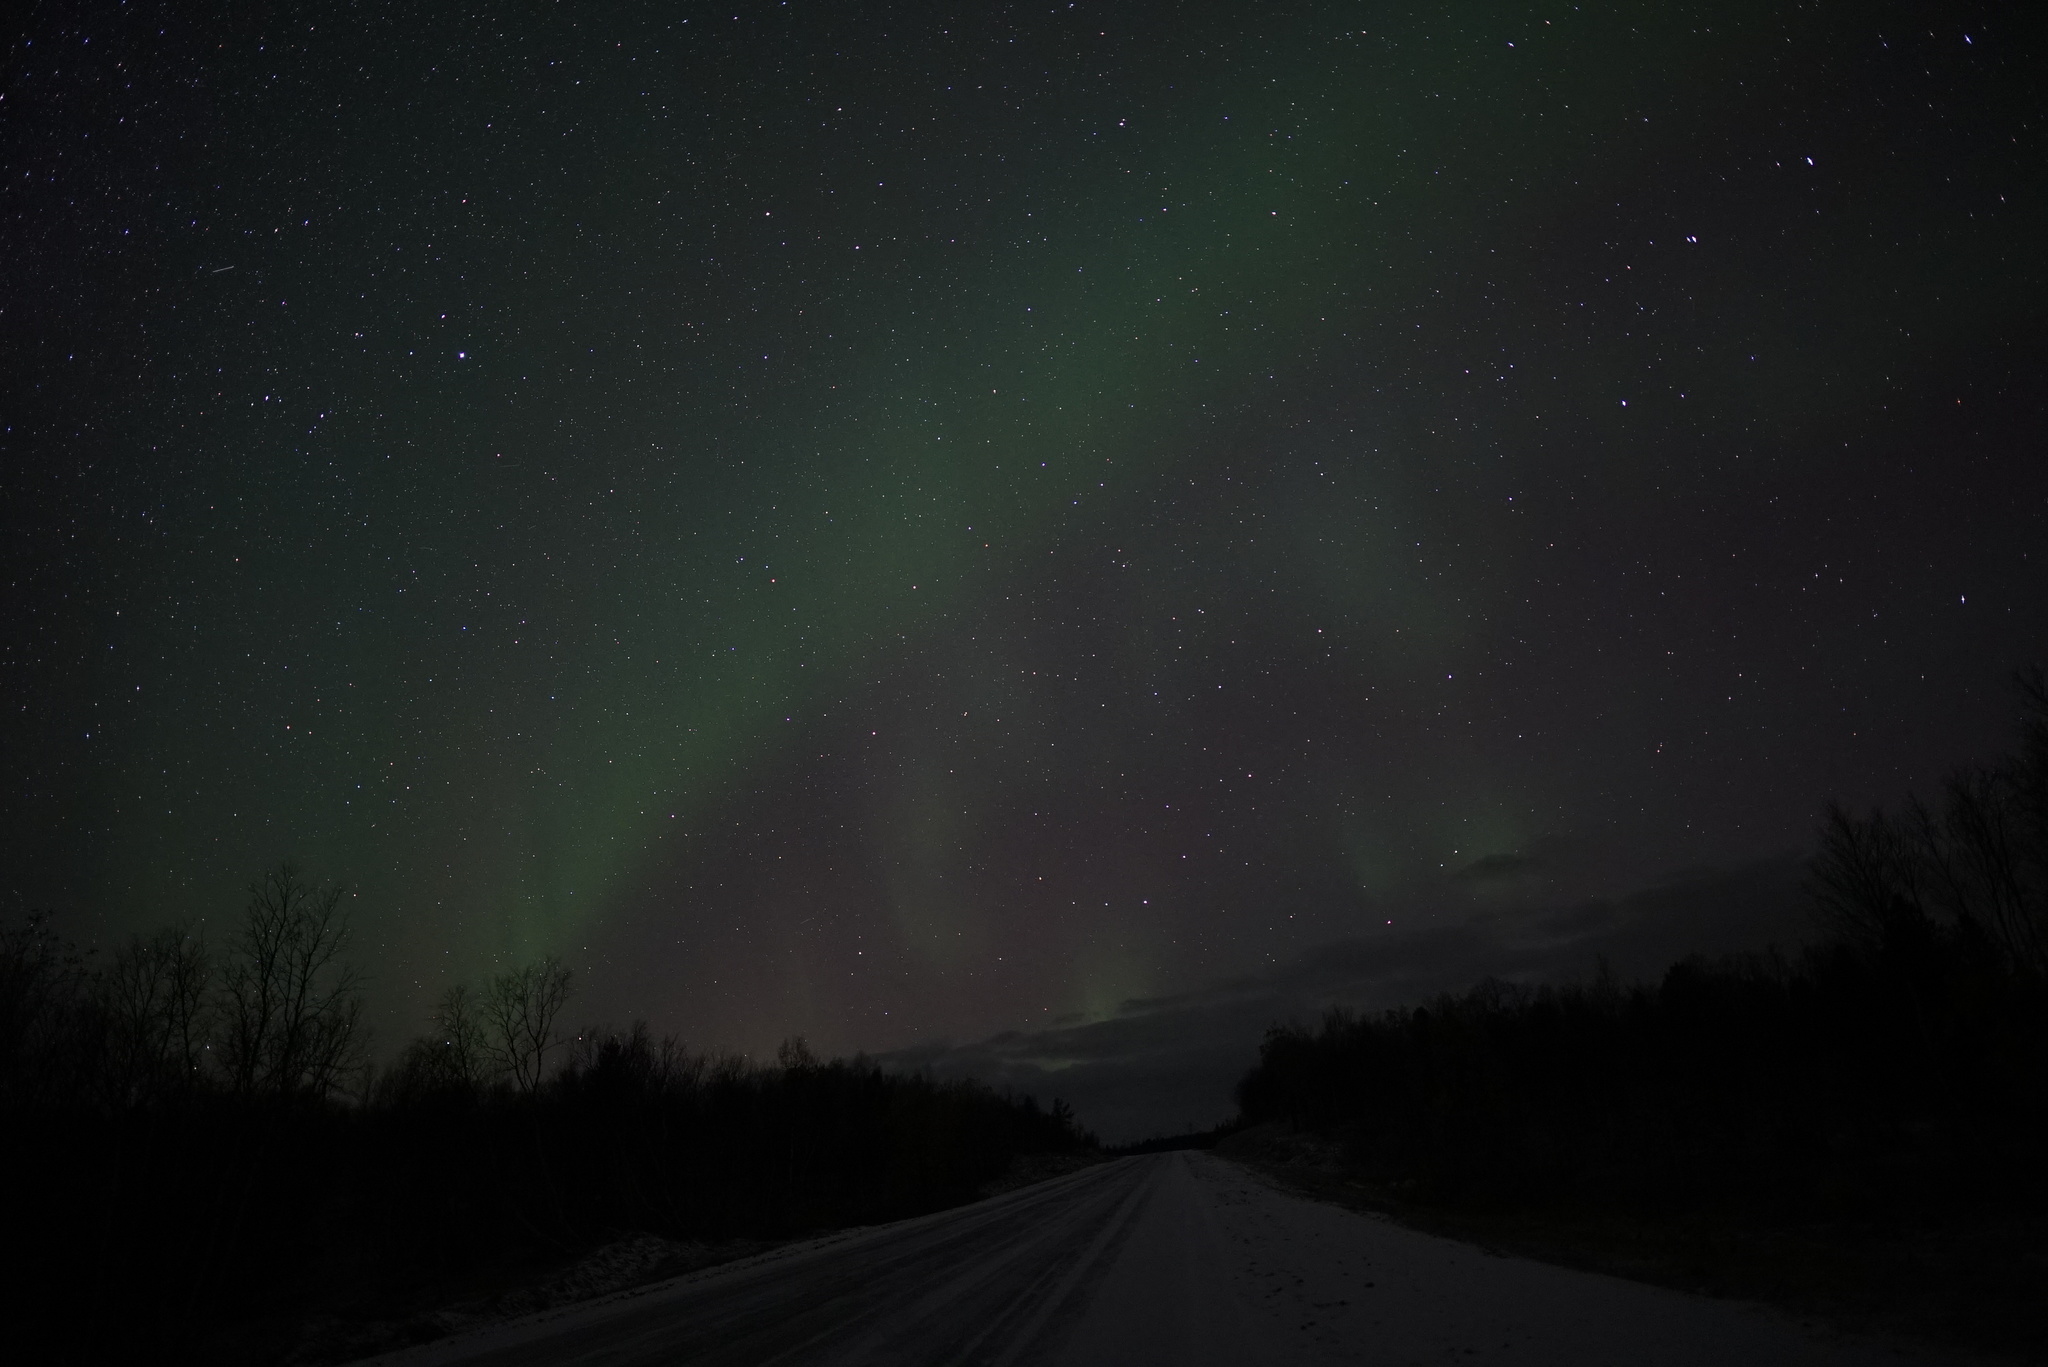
[[1007, 540]]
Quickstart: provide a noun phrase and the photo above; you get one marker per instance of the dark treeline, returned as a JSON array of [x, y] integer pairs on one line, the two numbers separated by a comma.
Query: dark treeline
[[200, 1159], [1176, 1143], [1888, 1083]]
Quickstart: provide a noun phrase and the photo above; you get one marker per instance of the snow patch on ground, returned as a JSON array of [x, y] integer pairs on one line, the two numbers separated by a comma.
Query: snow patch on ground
[[632, 1261]]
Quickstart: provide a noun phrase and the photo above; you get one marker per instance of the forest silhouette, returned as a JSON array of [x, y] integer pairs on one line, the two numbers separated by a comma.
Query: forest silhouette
[[1857, 1127], [206, 1166]]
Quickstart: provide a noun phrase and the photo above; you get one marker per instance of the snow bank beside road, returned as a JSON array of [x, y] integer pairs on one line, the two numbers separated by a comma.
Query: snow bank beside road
[[1327, 1285]]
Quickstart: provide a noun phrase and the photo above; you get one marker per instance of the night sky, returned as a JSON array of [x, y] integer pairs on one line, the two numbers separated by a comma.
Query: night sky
[[914, 524]]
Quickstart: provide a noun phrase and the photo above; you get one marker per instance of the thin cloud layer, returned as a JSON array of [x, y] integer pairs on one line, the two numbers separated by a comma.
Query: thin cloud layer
[[1168, 1063]]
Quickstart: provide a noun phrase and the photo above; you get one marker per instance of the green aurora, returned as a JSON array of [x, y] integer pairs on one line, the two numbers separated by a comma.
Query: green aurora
[[552, 461]]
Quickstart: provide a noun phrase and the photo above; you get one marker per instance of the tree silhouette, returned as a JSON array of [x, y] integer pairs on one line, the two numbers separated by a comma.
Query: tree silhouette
[[454, 1059], [518, 1012], [291, 1013], [41, 982], [460, 1027], [1969, 877], [157, 1015]]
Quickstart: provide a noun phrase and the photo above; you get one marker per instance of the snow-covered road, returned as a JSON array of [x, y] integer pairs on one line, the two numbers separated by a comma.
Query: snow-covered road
[[1175, 1259]]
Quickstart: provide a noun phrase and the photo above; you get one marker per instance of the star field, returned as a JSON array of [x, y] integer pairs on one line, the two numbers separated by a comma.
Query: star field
[[891, 522]]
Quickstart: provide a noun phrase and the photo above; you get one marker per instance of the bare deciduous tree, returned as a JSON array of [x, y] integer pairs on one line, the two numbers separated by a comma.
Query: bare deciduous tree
[[453, 1058], [154, 999], [291, 1011], [42, 983], [1868, 876], [519, 1010], [1972, 873], [461, 1037]]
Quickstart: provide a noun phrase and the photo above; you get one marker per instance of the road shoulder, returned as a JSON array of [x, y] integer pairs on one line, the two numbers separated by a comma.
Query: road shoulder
[[1816, 1276]]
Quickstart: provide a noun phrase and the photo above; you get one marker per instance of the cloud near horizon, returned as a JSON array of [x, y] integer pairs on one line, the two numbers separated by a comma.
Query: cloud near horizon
[[1169, 1063]]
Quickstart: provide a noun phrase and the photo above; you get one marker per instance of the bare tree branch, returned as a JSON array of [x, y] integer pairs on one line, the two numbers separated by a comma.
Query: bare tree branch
[[462, 1038], [292, 1012], [519, 1011]]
